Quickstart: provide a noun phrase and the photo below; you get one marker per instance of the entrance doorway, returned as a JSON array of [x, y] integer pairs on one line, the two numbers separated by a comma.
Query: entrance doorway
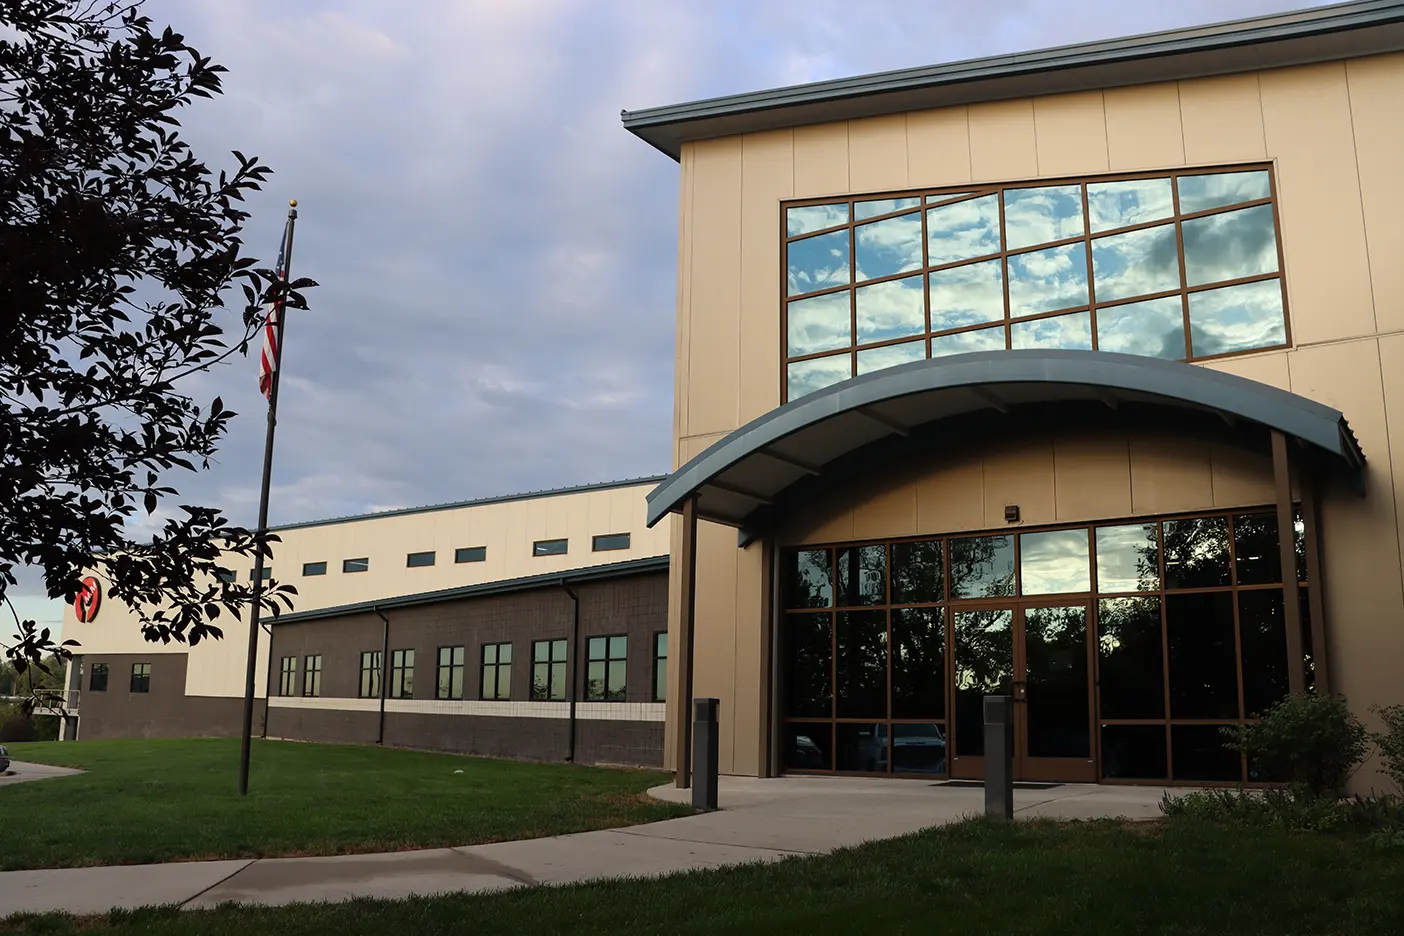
[[1041, 654]]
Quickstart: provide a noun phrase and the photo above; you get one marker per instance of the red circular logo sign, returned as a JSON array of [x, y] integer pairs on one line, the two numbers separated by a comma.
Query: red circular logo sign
[[86, 602]]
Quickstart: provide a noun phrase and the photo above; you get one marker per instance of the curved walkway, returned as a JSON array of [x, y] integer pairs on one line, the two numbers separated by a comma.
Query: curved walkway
[[760, 820]]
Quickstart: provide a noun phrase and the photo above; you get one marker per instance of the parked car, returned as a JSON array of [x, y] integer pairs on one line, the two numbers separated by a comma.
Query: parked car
[[4, 759]]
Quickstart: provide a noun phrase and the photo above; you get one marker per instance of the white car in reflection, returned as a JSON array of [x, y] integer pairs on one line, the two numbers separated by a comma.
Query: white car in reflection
[[915, 748]]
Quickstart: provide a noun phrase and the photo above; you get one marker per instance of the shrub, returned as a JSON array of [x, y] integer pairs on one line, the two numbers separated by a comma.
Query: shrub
[[1391, 742], [1313, 741], [1298, 810]]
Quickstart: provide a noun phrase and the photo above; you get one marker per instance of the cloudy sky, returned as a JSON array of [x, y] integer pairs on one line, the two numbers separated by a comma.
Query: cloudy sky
[[497, 256]]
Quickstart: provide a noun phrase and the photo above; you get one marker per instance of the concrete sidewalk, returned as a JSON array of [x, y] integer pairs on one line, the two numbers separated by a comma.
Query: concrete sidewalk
[[761, 820], [23, 772]]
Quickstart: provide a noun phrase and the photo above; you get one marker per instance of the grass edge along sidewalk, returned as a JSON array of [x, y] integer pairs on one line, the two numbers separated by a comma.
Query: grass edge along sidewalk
[[1175, 876], [175, 800]]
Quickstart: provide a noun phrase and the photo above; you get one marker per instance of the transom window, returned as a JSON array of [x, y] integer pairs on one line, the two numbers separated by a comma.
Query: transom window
[[1180, 266]]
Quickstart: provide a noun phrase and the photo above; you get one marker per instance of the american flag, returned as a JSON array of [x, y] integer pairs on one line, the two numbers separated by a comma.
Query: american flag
[[268, 363]]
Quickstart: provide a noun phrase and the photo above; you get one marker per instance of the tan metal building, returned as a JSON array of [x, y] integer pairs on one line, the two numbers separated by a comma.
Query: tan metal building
[[1003, 376]]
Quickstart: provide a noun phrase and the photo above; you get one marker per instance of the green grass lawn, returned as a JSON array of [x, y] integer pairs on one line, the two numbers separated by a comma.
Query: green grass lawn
[[171, 800], [1183, 877]]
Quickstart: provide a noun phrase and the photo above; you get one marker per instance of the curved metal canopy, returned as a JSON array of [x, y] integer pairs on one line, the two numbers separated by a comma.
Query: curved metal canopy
[[754, 466]]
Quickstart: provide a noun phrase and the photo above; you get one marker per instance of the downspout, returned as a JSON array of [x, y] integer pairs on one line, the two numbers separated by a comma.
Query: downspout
[[384, 672], [574, 658]]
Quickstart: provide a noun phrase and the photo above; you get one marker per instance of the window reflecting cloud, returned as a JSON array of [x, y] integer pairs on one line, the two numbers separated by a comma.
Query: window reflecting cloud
[[1068, 332], [818, 262], [1128, 558], [1155, 328], [890, 356], [1237, 318], [890, 310], [820, 323], [809, 376], [1202, 192], [945, 196], [1230, 245], [1039, 215], [1122, 204], [814, 218], [981, 339], [962, 231], [1046, 280], [1054, 563], [967, 295], [864, 210], [1137, 263], [883, 248]]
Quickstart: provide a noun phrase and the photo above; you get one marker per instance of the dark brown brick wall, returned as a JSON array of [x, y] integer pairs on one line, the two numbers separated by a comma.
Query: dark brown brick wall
[[636, 606], [163, 712]]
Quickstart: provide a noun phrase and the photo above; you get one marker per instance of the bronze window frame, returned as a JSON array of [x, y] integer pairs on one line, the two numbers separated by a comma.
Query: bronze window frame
[[371, 665], [552, 690], [607, 642], [948, 605], [929, 198], [312, 675], [287, 676], [444, 690], [401, 674], [141, 678], [500, 671]]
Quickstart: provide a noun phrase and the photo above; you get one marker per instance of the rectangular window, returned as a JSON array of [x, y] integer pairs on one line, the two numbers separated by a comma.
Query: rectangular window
[[97, 682], [312, 675], [660, 667], [287, 676], [605, 675], [548, 670], [553, 547], [267, 573], [401, 674], [141, 677], [314, 568], [419, 560], [1175, 265], [609, 541], [370, 675], [450, 674], [355, 565], [470, 554], [497, 671]]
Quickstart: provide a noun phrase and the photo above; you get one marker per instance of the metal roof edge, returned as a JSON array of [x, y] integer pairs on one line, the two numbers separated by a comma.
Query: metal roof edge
[[477, 502], [524, 583], [1216, 37]]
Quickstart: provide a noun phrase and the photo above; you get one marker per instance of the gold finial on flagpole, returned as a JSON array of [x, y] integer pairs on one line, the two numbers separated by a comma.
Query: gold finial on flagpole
[[292, 202]]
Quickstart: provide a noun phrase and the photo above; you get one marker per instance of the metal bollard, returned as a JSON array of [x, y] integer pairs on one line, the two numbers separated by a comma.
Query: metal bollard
[[999, 756], [704, 754]]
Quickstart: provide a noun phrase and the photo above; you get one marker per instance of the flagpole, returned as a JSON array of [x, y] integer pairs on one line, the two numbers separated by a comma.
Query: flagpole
[[261, 533]]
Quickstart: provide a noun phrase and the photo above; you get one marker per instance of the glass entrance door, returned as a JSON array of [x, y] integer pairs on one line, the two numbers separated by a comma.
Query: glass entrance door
[[1040, 654]]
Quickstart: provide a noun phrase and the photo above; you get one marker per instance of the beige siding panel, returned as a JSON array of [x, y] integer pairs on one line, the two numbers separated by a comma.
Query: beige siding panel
[[877, 153], [692, 446], [715, 276], [767, 176], [684, 331], [1143, 127], [821, 160], [1376, 105], [1222, 118], [938, 147], [1070, 131], [714, 674], [1360, 545], [1002, 145], [886, 509], [951, 497], [1241, 478], [1170, 475], [828, 520], [1306, 112], [751, 606], [1270, 369], [676, 710], [1020, 475], [1092, 478], [1392, 369]]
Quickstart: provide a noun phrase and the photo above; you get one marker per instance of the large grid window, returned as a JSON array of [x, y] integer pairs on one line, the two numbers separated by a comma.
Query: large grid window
[[548, 670], [887, 645], [141, 677], [1181, 266], [401, 674], [497, 671], [287, 676], [450, 674], [97, 680], [607, 669], [312, 675], [660, 666], [371, 662]]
